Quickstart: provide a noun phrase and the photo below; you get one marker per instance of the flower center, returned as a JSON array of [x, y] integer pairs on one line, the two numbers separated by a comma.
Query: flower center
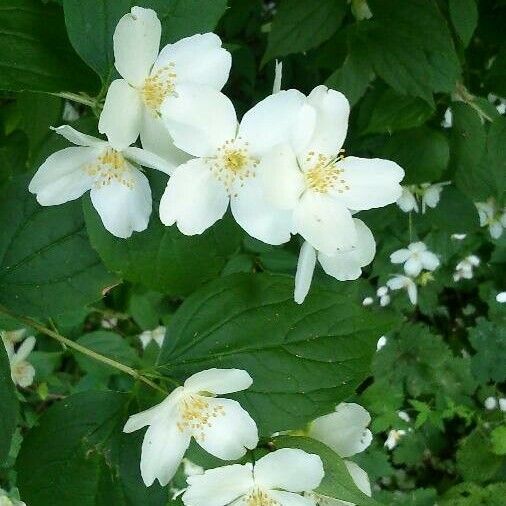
[[110, 166], [157, 87], [232, 163], [196, 413], [260, 498], [323, 174]]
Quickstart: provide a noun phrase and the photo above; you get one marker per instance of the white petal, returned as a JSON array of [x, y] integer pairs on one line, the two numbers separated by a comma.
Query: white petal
[[163, 449], [429, 260], [120, 119], [278, 76], [304, 274], [359, 477], [156, 139], [77, 138], [372, 182], [332, 113], [400, 256], [231, 433], [124, 209], [413, 266], [417, 247], [344, 430], [304, 128], [25, 348], [199, 119], [324, 222], [397, 282], [289, 499], [346, 265], [62, 177], [219, 381], [147, 417], [289, 469], [148, 159], [220, 486], [281, 178], [271, 121], [198, 59], [136, 44], [412, 292], [257, 216], [194, 198]]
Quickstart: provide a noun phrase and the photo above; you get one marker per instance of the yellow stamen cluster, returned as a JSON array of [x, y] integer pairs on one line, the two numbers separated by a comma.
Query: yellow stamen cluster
[[110, 166], [324, 174], [260, 498], [196, 414], [158, 86], [233, 162]]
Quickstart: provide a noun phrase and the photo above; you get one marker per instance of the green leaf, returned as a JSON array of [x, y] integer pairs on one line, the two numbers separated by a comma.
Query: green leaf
[[464, 16], [299, 26], [471, 494], [303, 359], [410, 46], [162, 258], [109, 344], [47, 266], [337, 482], [36, 54], [498, 438], [13, 155], [422, 152], [393, 112], [9, 403], [78, 455]]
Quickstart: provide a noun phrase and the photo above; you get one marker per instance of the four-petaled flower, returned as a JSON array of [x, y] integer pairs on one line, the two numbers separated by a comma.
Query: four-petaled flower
[[120, 192], [220, 426], [149, 77], [415, 258], [277, 479]]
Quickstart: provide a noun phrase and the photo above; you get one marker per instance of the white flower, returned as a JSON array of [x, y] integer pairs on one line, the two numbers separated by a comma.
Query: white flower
[[22, 372], [431, 194], [399, 282], [383, 295], [309, 176], [220, 426], [276, 479], [382, 341], [501, 297], [150, 76], [464, 269], [415, 258], [404, 416], [109, 323], [345, 430], [407, 201], [203, 123], [502, 404], [448, 119], [490, 403], [393, 438], [367, 301], [492, 217], [120, 192], [343, 265], [157, 335], [12, 337]]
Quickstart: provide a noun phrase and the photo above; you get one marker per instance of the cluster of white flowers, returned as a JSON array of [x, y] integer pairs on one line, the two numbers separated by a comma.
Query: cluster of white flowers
[[22, 372], [419, 197], [224, 429], [282, 170], [492, 403], [492, 216], [157, 335], [465, 268]]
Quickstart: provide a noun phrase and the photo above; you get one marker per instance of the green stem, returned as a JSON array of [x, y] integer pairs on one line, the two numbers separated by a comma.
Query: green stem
[[81, 349], [74, 97]]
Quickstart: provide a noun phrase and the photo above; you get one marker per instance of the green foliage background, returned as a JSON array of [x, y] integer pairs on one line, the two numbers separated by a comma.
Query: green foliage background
[[226, 299]]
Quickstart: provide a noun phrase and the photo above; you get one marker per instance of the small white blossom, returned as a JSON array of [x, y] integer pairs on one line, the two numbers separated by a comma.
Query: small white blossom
[[367, 301], [415, 258], [501, 297], [343, 265], [492, 216], [109, 323], [431, 194], [383, 295], [393, 438], [448, 119], [22, 372], [157, 335], [416, 197], [119, 190], [502, 404], [490, 403], [400, 282], [278, 478], [464, 269], [220, 426], [404, 416], [407, 201], [382, 341]]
